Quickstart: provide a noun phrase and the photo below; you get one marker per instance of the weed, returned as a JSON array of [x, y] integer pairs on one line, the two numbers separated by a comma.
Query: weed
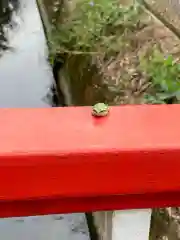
[[95, 27], [164, 74], [86, 39]]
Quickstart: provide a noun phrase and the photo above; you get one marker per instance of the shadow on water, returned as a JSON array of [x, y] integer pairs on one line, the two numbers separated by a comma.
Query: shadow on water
[[6, 11], [26, 80]]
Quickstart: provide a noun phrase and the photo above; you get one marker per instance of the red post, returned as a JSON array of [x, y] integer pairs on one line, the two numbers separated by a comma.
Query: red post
[[64, 160]]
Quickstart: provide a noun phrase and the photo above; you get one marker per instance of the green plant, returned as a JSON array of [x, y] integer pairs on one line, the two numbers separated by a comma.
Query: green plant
[[164, 74], [95, 27]]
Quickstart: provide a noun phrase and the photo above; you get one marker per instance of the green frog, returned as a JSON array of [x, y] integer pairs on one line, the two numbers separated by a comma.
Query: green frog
[[100, 110]]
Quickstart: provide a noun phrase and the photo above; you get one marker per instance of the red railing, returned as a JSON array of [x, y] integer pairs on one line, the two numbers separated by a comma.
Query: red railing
[[61, 160]]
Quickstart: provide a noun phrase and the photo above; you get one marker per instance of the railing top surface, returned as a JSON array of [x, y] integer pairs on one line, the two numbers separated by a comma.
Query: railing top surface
[[73, 130], [65, 152]]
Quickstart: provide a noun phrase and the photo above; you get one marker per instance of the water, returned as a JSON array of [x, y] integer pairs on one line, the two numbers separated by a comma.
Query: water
[[25, 81], [25, 76]]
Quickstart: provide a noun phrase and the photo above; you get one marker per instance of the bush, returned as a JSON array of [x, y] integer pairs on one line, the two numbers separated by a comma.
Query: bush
[[94, 27], [164, 74]]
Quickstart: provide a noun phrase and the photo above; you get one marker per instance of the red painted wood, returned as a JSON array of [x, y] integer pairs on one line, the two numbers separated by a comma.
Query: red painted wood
[[66, 153]]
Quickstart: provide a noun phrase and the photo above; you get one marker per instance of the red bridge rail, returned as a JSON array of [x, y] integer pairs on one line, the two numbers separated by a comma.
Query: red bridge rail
[[61, 160]]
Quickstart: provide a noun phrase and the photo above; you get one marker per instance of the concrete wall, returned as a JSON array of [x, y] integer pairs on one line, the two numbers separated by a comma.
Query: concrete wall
[[103, 223]]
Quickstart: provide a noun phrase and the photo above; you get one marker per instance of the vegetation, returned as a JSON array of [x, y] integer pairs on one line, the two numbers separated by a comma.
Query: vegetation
[[92, 34], [95, 27], [164, 74], [101, 30]]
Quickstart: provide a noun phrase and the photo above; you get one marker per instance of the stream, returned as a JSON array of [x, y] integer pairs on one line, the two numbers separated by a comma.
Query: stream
[[26, 81]]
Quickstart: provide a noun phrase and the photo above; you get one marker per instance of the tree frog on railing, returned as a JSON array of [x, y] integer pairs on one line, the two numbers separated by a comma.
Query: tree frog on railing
[[100, 110]]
